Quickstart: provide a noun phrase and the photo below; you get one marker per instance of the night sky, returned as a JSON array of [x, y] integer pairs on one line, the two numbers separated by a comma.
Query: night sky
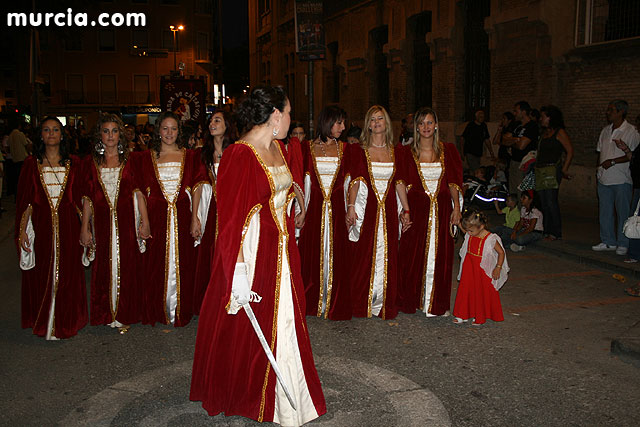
[[235, 25]]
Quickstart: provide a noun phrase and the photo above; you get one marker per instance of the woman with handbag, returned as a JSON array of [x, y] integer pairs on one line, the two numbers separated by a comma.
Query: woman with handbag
[[633, 255], [550, 168]]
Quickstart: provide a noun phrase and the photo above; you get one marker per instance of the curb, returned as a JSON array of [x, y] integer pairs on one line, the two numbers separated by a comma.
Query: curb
[[584, 259], [627, 347]]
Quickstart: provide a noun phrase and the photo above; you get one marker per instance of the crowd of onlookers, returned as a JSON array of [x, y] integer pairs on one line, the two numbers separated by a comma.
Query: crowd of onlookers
[[530, 154]]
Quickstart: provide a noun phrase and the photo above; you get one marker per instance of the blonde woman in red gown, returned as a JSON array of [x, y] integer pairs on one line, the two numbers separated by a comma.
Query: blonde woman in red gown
[[54, 298], [256, 261], [431, 173], [373, 206]]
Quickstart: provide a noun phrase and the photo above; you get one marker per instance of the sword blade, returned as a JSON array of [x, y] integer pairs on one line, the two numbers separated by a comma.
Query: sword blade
[[267, 350]]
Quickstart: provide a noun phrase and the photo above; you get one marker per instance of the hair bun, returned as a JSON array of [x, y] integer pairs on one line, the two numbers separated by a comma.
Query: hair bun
[[256, 108]]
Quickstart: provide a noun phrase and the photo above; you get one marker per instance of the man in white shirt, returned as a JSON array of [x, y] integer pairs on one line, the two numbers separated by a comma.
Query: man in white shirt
[[615, 186]]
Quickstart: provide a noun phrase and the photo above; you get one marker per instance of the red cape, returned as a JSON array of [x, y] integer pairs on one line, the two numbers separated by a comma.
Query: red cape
[[155, 265], [207, 243], [231, 373], [37, 284], [129, 303], [361, 255], [413, 244]]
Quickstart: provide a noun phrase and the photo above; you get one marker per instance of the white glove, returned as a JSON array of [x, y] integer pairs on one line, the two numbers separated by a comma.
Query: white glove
[[240, 288]]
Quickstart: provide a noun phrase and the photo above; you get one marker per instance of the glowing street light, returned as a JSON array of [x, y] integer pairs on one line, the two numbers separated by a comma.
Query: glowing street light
[[175, 29]]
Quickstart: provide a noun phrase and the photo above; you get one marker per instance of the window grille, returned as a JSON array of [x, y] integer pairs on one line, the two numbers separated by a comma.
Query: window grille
[[599, 21]]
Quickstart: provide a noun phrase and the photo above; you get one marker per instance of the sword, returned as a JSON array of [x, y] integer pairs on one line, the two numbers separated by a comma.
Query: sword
[[267, 350]]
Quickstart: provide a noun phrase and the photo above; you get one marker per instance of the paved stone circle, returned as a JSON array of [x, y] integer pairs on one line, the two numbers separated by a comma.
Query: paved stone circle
[[357, 393]]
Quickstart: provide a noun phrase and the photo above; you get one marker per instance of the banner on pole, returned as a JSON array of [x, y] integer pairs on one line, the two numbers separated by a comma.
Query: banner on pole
[[185, 98], [310, 43]]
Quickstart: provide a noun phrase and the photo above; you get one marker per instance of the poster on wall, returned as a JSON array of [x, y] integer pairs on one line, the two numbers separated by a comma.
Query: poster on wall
[[310, 43], [185, 98]]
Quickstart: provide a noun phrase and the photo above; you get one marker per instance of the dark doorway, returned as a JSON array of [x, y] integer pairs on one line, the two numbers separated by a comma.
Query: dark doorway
[[379, 89], [477, 57], [419, 85]]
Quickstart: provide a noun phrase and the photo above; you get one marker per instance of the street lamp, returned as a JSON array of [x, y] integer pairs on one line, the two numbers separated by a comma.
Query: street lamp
[[175, 29]]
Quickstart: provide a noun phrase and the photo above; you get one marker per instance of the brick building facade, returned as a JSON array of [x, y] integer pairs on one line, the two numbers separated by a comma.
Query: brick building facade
[[84, 70], [458, 55]]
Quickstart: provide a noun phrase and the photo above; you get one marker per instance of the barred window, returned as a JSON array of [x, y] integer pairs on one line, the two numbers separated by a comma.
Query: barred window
[[599, 21]]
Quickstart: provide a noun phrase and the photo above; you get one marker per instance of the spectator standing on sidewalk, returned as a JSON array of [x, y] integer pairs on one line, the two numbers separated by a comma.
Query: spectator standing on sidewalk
[[475, 138], [523, 139], [19, 147], [634, 165], [507, 125], [550, 168], [614, 177]]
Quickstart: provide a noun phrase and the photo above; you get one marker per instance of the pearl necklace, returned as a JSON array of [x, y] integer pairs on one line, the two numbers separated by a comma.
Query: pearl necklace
[[322, 145]]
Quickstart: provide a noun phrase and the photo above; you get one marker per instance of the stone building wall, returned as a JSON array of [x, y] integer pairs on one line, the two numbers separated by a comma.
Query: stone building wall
[[534, 56]]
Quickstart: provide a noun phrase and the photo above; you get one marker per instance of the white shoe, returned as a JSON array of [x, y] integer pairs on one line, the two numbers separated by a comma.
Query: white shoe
[[516, 248], [603, 247], [621, 250]]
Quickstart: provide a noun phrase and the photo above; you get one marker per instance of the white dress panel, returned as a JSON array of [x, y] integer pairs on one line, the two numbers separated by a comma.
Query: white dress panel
[[287, 351], [111, 181], [53, 179], [382, 173], [327, 169], [431, 173], [169, 174]]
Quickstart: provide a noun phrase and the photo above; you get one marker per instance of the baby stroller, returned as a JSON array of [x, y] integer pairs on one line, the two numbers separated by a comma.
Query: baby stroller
[[480, 194]]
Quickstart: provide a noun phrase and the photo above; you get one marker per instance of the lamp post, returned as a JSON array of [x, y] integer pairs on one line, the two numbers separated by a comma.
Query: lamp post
[[175, 29]]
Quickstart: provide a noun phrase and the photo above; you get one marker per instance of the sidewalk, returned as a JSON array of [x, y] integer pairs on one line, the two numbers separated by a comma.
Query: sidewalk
[[580, 231]]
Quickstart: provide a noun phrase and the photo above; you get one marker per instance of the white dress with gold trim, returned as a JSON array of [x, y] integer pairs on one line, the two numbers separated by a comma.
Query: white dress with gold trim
[[327, 168], [53, 179], [169, 174], [111, 181], [431, 173]]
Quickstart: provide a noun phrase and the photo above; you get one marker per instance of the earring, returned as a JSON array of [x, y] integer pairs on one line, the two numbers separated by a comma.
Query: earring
[[275, 132], [99, 148], [120, 148]]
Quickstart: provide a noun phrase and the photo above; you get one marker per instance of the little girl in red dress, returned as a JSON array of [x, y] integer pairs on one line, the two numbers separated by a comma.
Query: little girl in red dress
[[483, 271]]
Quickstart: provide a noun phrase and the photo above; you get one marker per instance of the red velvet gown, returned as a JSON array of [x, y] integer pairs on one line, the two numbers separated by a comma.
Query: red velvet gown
[[207, 244], [127, 309], [60, 224], [476, 297], [156, 269], [361, 258], [231, 373], [324, 208], [295, 161], [414, 242]]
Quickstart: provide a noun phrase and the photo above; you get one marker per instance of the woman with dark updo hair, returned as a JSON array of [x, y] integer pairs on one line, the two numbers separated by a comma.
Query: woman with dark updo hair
[[171, 179], [54, 299], [256, 262], [110, 227]]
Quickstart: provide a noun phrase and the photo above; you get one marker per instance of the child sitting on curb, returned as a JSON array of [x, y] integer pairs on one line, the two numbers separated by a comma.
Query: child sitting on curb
[[529, 228], [512, 216]]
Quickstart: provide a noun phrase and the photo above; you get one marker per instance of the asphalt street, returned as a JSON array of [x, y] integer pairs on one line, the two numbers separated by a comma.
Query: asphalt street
[[549, 362]]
